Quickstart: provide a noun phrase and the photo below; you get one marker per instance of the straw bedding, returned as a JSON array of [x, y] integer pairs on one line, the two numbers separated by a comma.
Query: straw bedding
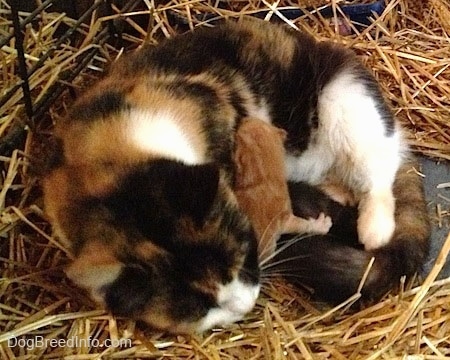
[[407, 47]]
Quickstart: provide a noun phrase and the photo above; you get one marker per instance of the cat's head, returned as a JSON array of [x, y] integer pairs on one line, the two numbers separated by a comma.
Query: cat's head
[[167, 244]]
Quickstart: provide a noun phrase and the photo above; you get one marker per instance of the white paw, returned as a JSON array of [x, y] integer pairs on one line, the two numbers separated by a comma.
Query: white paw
[[376, 225], [321, 225]]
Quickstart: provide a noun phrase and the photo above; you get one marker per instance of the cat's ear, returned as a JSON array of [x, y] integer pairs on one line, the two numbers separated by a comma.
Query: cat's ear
[[193, 190], [94, 268]]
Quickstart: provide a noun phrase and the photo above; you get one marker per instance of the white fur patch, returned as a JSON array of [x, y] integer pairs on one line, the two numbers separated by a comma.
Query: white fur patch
[[260, 111], [311, 166], [94, 278], [159, 133], [351, 140], [366, 158], [376, 222], [218, 317], [354, 129], [237, 296], [235, 300], [351, 136]]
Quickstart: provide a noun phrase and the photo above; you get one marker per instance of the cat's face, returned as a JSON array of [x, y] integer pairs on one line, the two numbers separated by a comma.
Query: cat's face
[[167, 245]]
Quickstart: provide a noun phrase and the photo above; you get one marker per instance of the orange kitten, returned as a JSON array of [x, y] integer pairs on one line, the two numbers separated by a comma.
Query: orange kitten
[[261, 187]]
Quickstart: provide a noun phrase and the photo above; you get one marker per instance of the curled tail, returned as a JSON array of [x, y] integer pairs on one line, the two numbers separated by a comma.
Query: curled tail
[[334, 264]]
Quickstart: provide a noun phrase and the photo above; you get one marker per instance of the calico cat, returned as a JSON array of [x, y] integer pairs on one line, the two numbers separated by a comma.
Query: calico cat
[[334, 264], [142, 188], [261, 188]]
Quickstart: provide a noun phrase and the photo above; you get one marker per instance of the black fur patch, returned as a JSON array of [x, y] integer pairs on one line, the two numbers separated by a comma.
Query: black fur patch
[[99, 106], [250, 270], [140, 287], [185, 54], [205, 95], [153, 198], [375, 92], [313, 66], [308, 202], [191, 190], [129, 294]]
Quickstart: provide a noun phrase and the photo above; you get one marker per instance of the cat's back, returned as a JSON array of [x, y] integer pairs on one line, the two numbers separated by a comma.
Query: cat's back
[[230, 44]]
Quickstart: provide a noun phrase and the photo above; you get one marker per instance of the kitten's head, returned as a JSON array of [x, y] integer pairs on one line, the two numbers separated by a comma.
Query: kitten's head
[[167, 244]]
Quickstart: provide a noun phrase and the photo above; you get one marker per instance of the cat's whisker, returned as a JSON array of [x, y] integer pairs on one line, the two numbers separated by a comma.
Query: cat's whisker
[[265, 286], [285, 245], [283, 274], [280, 262], [263, 256]]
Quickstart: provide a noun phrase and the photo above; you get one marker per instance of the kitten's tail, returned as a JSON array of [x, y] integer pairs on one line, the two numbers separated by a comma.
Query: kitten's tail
[[333, 266]]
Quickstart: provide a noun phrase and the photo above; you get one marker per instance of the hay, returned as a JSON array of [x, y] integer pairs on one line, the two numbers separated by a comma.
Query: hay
[[409, 51]]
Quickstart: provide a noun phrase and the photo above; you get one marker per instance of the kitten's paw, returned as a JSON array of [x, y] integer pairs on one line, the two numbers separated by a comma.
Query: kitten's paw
[[376, 222], [321, 225]]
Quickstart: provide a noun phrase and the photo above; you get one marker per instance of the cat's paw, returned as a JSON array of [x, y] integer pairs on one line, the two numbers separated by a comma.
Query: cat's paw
[[376, 223], [321, 225]]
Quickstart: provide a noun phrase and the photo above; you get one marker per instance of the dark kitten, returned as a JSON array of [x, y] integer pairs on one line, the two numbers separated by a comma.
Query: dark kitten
[[334, 264]]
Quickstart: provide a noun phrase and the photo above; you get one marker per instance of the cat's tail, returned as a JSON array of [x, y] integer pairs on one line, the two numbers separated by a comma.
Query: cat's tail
[[334, 265]]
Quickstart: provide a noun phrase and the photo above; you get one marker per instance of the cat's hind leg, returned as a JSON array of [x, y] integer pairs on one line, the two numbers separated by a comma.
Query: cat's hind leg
[[367, 146]]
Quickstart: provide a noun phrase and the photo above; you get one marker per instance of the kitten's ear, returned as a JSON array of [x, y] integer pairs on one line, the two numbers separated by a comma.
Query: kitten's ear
[[282, 134], [94, 268], [193, 190], [248, 168]]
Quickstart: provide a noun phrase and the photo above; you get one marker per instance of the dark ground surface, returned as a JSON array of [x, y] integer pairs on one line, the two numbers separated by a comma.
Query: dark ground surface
[[437, 173]]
